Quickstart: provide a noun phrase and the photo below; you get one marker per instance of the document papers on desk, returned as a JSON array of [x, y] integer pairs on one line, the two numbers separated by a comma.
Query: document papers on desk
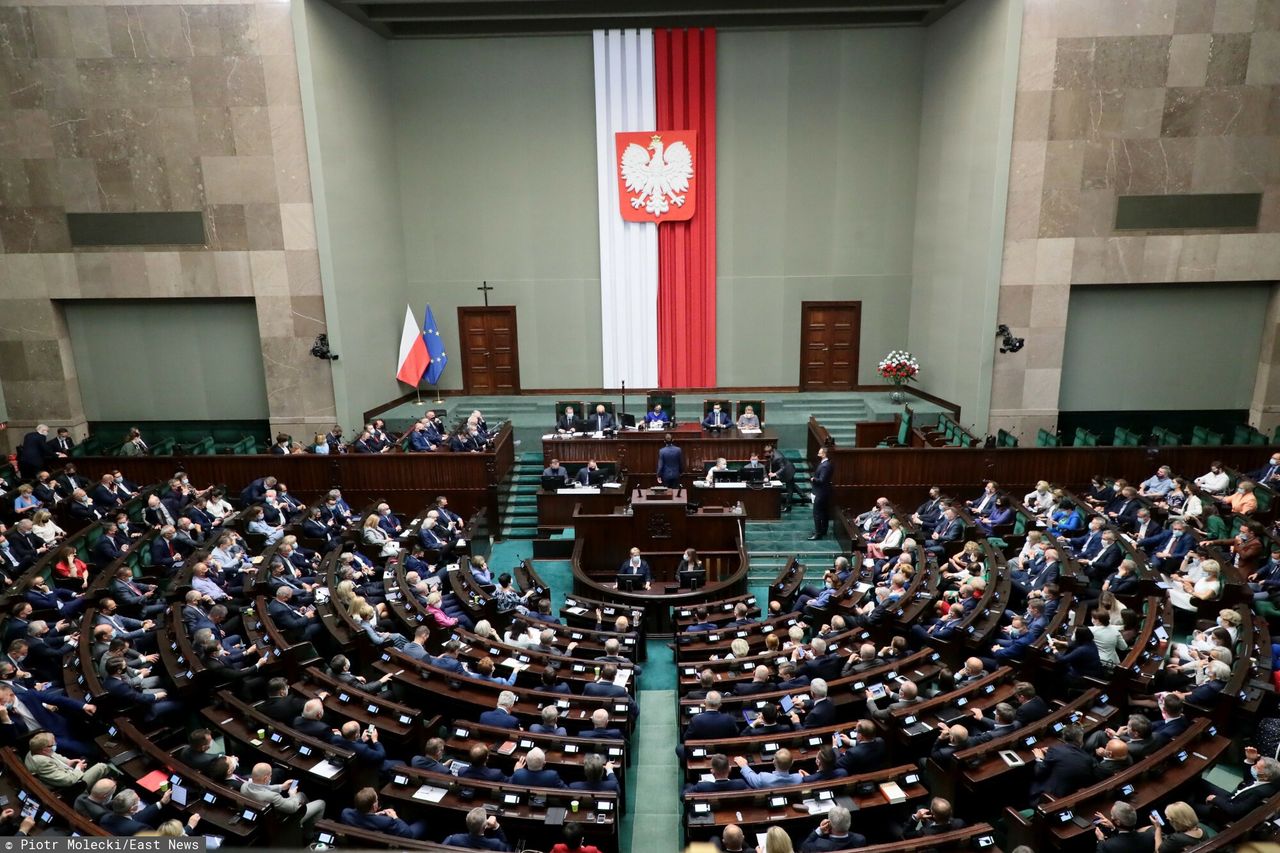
[[326, 769], [430, 794]]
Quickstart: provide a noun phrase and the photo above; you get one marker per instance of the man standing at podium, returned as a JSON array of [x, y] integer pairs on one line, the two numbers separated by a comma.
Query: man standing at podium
[[820, 483], [715, 419], [670, 464], [568, 422], [601, 420], [637, 565]]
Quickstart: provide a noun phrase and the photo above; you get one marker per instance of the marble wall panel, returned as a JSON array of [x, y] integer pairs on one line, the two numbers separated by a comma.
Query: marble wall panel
[[154, 105]]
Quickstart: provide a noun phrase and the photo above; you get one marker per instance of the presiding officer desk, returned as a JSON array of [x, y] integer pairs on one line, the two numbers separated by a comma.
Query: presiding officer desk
[[635, 452]]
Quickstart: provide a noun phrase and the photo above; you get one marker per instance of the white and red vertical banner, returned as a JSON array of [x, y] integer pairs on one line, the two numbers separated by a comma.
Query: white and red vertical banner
[[655, 142], [628, 250]]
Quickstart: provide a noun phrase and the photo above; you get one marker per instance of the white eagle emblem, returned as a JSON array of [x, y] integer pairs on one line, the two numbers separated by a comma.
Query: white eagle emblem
[[660, 180]]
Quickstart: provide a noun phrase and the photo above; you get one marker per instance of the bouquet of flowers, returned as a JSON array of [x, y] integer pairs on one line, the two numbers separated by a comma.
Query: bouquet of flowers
[[899, 367]]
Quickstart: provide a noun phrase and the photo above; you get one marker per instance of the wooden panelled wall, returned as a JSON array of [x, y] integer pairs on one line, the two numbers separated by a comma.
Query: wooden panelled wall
[[904, 474], [407, 481]]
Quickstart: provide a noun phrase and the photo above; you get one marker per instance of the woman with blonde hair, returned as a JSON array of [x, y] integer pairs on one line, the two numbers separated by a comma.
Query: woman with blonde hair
[[373, 534], [485, 631], [43, 525], [892, 539], [964, 564], [345, 594], [1180, 829], [739, 648], [776, 840], [26, 503], [1186, 590]]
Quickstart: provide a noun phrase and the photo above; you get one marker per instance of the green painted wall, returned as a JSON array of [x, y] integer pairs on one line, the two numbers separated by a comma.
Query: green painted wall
[[137, 359], [816, 160], [349, 106], [1138, 347], [496, 145], [966, 127]]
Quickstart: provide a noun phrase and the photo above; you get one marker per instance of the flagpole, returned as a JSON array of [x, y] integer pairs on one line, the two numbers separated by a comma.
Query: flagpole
[[439, 397], [418, 390]]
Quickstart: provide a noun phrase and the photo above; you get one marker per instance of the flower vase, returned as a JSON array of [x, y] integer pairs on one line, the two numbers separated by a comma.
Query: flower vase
[[896, 396]]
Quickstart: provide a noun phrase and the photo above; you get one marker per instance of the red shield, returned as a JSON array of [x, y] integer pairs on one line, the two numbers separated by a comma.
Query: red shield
[[657, 175]]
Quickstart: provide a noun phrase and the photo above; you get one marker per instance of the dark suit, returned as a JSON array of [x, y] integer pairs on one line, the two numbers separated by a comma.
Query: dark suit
[[600, 422], [820, 482], [821, 714], [711, 725], [717, 420], [569, 424], [670, 465], [545, 778], [382, 823], [1064, 770], [863, 757], [1128, 842], [499, 719], [34, 454], [643, 569], [716, 786], [818, 843], [1030, 711]]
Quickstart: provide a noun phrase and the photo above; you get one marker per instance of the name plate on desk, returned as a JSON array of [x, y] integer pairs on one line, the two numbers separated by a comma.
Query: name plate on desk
[[581, 490], [728, 485]]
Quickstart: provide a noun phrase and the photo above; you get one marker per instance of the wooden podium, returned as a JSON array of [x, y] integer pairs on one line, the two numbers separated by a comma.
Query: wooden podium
[[660, 525]]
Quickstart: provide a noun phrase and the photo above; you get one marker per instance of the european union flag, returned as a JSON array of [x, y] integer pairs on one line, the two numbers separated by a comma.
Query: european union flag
[[435, 347]]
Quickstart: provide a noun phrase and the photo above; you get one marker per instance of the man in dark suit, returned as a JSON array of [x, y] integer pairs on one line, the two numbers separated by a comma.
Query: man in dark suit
[[1106, 560], [311, 721], [295, 623], [1062, 769], [935, 820], [782, 470], [26, 714], [600, 729], [604, 686], [866, 753], [759, 683], [569, 422], [670, 463], [62, 444], [1119, 832], [716, 419], [368, 814], [820, 483], [501, 716], [1261, 783], [927, 514], [950, 528], [600, 420], [711, 723], [480, 769], [281, 705], [1172, 722], [34, 453], [532, 770], [151, 704], [821, 712], [833, 834], [721, 782]]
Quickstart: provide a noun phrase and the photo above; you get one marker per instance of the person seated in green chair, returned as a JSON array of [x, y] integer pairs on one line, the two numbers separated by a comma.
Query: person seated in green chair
[[748, 420], [656, 418]]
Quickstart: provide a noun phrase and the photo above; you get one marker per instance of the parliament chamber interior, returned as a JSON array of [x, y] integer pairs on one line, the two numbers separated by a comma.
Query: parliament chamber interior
[[630, 427]]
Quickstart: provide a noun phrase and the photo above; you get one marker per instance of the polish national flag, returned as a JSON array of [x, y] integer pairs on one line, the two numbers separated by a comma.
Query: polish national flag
[[414, 358]]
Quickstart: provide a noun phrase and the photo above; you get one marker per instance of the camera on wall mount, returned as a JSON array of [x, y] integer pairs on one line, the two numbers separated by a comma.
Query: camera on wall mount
[[320, 349], [1008, 343]]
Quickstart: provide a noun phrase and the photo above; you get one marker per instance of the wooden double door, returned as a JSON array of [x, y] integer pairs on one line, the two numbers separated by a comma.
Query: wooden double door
[[490, 349], [829, 340]]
